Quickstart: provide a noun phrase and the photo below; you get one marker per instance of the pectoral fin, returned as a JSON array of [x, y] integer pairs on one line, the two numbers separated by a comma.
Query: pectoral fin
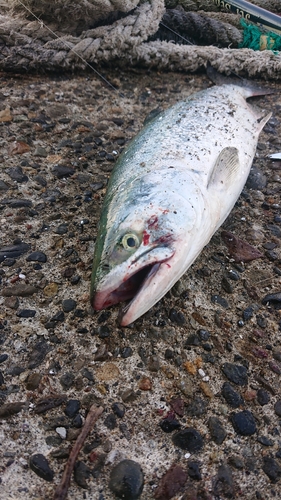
[[225, 169]]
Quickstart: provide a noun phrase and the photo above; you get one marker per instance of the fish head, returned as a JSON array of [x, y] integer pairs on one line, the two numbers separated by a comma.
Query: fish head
[[139, 254]]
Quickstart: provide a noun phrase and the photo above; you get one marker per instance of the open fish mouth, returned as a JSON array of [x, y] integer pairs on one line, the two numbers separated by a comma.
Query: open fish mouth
[[127, 290], [138, 287], [144, 275]]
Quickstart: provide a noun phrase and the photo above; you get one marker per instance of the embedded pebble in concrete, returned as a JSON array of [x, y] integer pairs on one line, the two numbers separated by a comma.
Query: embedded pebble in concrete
[[171, 483], [119, 409], [243, 423], [77, 421], [248, 313], [72, 408], [265, 441], [61, 171], [33, 381], [177, 317], [217, 299], [38, 354], [275, 367], [50, 289], [61, 432], [39, 151], [263, 397], [226, 285], [277, 407], [233, 275], [188, 439], [81, 474], [271, 468], [223, 483], [217, 431], [256, 180], [170, 423], [26, 313], [153, 364], [37, 257], [274, 299], [17, 202], [126, 352], [62, 229], [67, 380], [40, 465], [177, 405], [40, 180], [275, 230], [68, 305], [17, 174], [236, 461], [3, 186], [240, 250], [235, 373], [9, 409], [9, 262], [197, 407], [126, 480], [53, 441], [110, 421], [12, 302], [20, 290], [232, 397], [13, 251], [3, 357], [59, 316], [193, 470]]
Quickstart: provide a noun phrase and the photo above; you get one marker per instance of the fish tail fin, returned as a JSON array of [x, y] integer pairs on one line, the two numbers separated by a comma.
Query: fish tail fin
[[250, 88]]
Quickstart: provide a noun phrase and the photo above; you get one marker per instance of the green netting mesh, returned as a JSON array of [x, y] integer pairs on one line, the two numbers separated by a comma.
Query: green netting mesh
[[254, 38]]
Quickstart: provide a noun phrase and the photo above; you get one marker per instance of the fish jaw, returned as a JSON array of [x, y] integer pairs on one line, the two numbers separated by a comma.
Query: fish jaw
[[155, 286], [131, 279]]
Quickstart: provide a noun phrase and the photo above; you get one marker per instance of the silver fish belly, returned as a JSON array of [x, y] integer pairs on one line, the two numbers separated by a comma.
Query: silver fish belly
[[169, 192]]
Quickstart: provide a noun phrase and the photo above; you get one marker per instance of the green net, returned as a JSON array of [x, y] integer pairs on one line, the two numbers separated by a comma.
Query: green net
[[254, 38]]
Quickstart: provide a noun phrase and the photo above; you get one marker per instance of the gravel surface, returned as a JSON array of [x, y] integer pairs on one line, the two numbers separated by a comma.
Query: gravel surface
[[191, 391]]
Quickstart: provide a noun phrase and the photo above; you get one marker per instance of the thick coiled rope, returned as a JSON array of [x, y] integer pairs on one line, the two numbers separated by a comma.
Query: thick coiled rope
[[84, 36]]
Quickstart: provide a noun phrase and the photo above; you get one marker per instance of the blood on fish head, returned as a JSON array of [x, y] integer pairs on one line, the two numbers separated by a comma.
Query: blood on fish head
[[137, 261]]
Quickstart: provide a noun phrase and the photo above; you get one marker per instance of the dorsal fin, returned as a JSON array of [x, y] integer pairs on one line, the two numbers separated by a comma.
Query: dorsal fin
[[225, 169]]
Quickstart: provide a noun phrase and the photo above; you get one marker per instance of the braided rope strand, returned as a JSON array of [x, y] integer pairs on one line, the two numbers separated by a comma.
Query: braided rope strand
[[30, 45]]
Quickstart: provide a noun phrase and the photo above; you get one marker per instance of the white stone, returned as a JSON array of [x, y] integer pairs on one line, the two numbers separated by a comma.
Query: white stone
[[61, 432]]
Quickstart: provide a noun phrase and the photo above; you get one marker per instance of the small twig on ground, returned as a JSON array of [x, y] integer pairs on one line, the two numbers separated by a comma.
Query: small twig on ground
[[92, 417]]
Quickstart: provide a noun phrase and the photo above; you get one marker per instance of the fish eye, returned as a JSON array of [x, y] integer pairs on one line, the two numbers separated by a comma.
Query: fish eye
[[130, 241]]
